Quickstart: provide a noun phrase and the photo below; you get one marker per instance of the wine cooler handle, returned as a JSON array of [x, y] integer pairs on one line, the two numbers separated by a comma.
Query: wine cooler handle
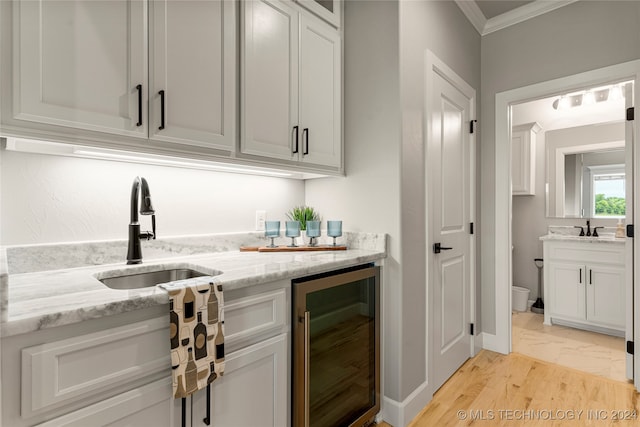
[[307, 358]]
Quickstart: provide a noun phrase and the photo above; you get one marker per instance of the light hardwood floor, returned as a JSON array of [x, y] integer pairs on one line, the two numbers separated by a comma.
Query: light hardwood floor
[[591, 352], [495, 390]]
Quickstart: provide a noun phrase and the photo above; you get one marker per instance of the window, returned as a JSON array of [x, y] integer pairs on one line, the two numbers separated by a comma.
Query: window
[[608, 193]]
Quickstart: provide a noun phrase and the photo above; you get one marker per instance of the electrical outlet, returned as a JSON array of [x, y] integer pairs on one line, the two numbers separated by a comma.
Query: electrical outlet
[[261, 217]]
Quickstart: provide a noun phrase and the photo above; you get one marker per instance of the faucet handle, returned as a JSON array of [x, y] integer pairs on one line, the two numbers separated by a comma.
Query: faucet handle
[[581, 229], [595, 231]]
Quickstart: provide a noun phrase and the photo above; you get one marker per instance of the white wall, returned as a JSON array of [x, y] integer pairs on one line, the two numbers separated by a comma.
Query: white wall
[[48, 198], [583, 36]]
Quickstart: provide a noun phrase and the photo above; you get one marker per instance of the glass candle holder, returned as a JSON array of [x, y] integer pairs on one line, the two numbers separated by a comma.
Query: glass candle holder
[[292, 229], [313, 231], [334, 229], [272, 230]]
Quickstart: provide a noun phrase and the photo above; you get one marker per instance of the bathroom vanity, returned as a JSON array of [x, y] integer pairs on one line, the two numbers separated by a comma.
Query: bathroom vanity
[[584, 282]]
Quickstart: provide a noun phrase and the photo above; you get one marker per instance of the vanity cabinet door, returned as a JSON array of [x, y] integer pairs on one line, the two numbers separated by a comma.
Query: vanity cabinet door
[[81, 64], [606, 296], [568, 291]]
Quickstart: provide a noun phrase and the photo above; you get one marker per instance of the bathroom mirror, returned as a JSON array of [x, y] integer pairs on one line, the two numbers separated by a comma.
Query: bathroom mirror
[[586, 182]]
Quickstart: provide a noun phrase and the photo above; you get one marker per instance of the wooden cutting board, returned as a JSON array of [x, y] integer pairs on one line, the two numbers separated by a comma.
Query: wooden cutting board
[[293, 249]]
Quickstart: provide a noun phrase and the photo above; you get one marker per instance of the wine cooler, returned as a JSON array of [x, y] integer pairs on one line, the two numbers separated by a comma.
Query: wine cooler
[[336, 348]]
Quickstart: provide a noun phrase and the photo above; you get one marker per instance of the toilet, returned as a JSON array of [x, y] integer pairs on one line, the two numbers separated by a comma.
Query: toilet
[[519, 298]]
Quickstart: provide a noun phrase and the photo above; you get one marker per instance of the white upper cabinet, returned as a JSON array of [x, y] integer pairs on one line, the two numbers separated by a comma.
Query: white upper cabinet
[[192, 51], [291, 88], [270, 85], [320, 90], [523, 159], [81, 64], [329, 10]]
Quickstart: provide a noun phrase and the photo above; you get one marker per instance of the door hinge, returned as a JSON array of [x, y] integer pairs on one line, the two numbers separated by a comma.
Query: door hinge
[[630, 114], [471, 329], [630, 347], [470, 228], [472, 127], [629, 230]]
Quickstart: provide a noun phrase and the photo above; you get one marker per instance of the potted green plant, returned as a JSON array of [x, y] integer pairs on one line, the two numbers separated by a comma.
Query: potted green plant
[[302, 214]]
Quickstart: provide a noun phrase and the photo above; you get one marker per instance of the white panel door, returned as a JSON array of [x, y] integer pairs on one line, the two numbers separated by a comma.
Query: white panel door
[[270, 79], [606, 295], [568, 290], [448, 165], [193, 72], [82, 64], [320, 89], [253, 390]]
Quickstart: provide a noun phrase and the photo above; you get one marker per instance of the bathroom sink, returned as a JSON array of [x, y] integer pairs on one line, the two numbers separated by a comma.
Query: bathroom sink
[[136, 279]]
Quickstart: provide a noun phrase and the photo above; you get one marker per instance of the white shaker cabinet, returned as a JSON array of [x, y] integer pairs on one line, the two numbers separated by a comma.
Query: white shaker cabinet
[[192, 97], [585, 285], [159, 69], [523, 159], [329, 10], [291, 87], [81, 64]]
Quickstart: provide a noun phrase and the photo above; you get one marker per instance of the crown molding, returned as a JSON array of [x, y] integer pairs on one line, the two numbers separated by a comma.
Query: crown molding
[[473, 14], [486, 26]]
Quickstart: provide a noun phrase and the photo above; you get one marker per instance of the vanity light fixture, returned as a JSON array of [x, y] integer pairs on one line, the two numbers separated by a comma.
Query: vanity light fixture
[[589, 97]]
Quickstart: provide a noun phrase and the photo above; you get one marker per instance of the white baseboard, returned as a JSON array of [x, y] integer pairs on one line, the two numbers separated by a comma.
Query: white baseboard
[[490, 342], [400, 414]]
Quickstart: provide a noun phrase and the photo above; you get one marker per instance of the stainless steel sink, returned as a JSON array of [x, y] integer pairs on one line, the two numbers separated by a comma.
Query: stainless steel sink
[[146, 279]]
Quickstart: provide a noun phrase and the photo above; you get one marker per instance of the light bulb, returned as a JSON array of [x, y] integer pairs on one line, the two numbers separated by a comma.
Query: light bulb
[[589, 98], [564, 103], [615, 93]]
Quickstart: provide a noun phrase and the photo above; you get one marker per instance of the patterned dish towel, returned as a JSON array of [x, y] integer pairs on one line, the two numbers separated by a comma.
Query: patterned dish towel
[[196, 312]]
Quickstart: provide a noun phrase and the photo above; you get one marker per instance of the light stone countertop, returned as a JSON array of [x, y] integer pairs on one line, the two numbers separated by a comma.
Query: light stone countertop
[[44, 299], [571, 234]]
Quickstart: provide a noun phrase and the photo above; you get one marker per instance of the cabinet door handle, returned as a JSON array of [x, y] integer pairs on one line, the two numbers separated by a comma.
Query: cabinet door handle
[[590, 278], [139, 89], [305, 137], [580, 275], [295, 131], [161, 93]]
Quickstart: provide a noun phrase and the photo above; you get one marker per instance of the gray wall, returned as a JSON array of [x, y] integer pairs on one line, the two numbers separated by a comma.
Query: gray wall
[[385, 43], [583, 36]]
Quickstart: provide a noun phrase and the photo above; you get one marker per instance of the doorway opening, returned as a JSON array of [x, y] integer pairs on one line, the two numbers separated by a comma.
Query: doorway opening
[[629, 71], [587, 181]]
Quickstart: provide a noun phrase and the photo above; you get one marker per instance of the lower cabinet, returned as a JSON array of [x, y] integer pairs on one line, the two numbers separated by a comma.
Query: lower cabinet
[[121, 375], [253, 390], [149, 405], [585, 285]]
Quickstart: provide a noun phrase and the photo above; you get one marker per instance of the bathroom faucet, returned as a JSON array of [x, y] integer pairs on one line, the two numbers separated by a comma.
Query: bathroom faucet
[[134, 253], [588, 228]]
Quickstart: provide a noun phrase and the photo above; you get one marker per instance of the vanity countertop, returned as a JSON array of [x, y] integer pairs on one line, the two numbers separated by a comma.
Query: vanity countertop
[[44, 299], [608, 238], [571, 234]]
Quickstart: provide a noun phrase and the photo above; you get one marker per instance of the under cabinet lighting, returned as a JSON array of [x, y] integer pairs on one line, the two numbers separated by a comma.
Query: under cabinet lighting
[[46, 147]]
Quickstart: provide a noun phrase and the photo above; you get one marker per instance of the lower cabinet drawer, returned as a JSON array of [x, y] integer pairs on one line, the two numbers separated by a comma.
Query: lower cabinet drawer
[[149, 405], [57, 373]]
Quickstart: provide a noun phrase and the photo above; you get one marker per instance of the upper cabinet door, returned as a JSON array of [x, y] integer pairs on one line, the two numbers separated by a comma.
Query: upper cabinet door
[[320, 93], [270, 79], [193, 72], [81, 64], [329, 10]]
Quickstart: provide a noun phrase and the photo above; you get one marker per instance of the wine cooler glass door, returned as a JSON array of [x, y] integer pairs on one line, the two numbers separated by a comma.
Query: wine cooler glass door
[[336, 363]]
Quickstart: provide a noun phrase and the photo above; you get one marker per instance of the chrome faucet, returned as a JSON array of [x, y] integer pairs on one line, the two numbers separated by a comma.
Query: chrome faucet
[[134, 253]]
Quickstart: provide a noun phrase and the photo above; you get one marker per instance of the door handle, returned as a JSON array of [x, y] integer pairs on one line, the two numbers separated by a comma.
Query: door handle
[[437, 248]]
